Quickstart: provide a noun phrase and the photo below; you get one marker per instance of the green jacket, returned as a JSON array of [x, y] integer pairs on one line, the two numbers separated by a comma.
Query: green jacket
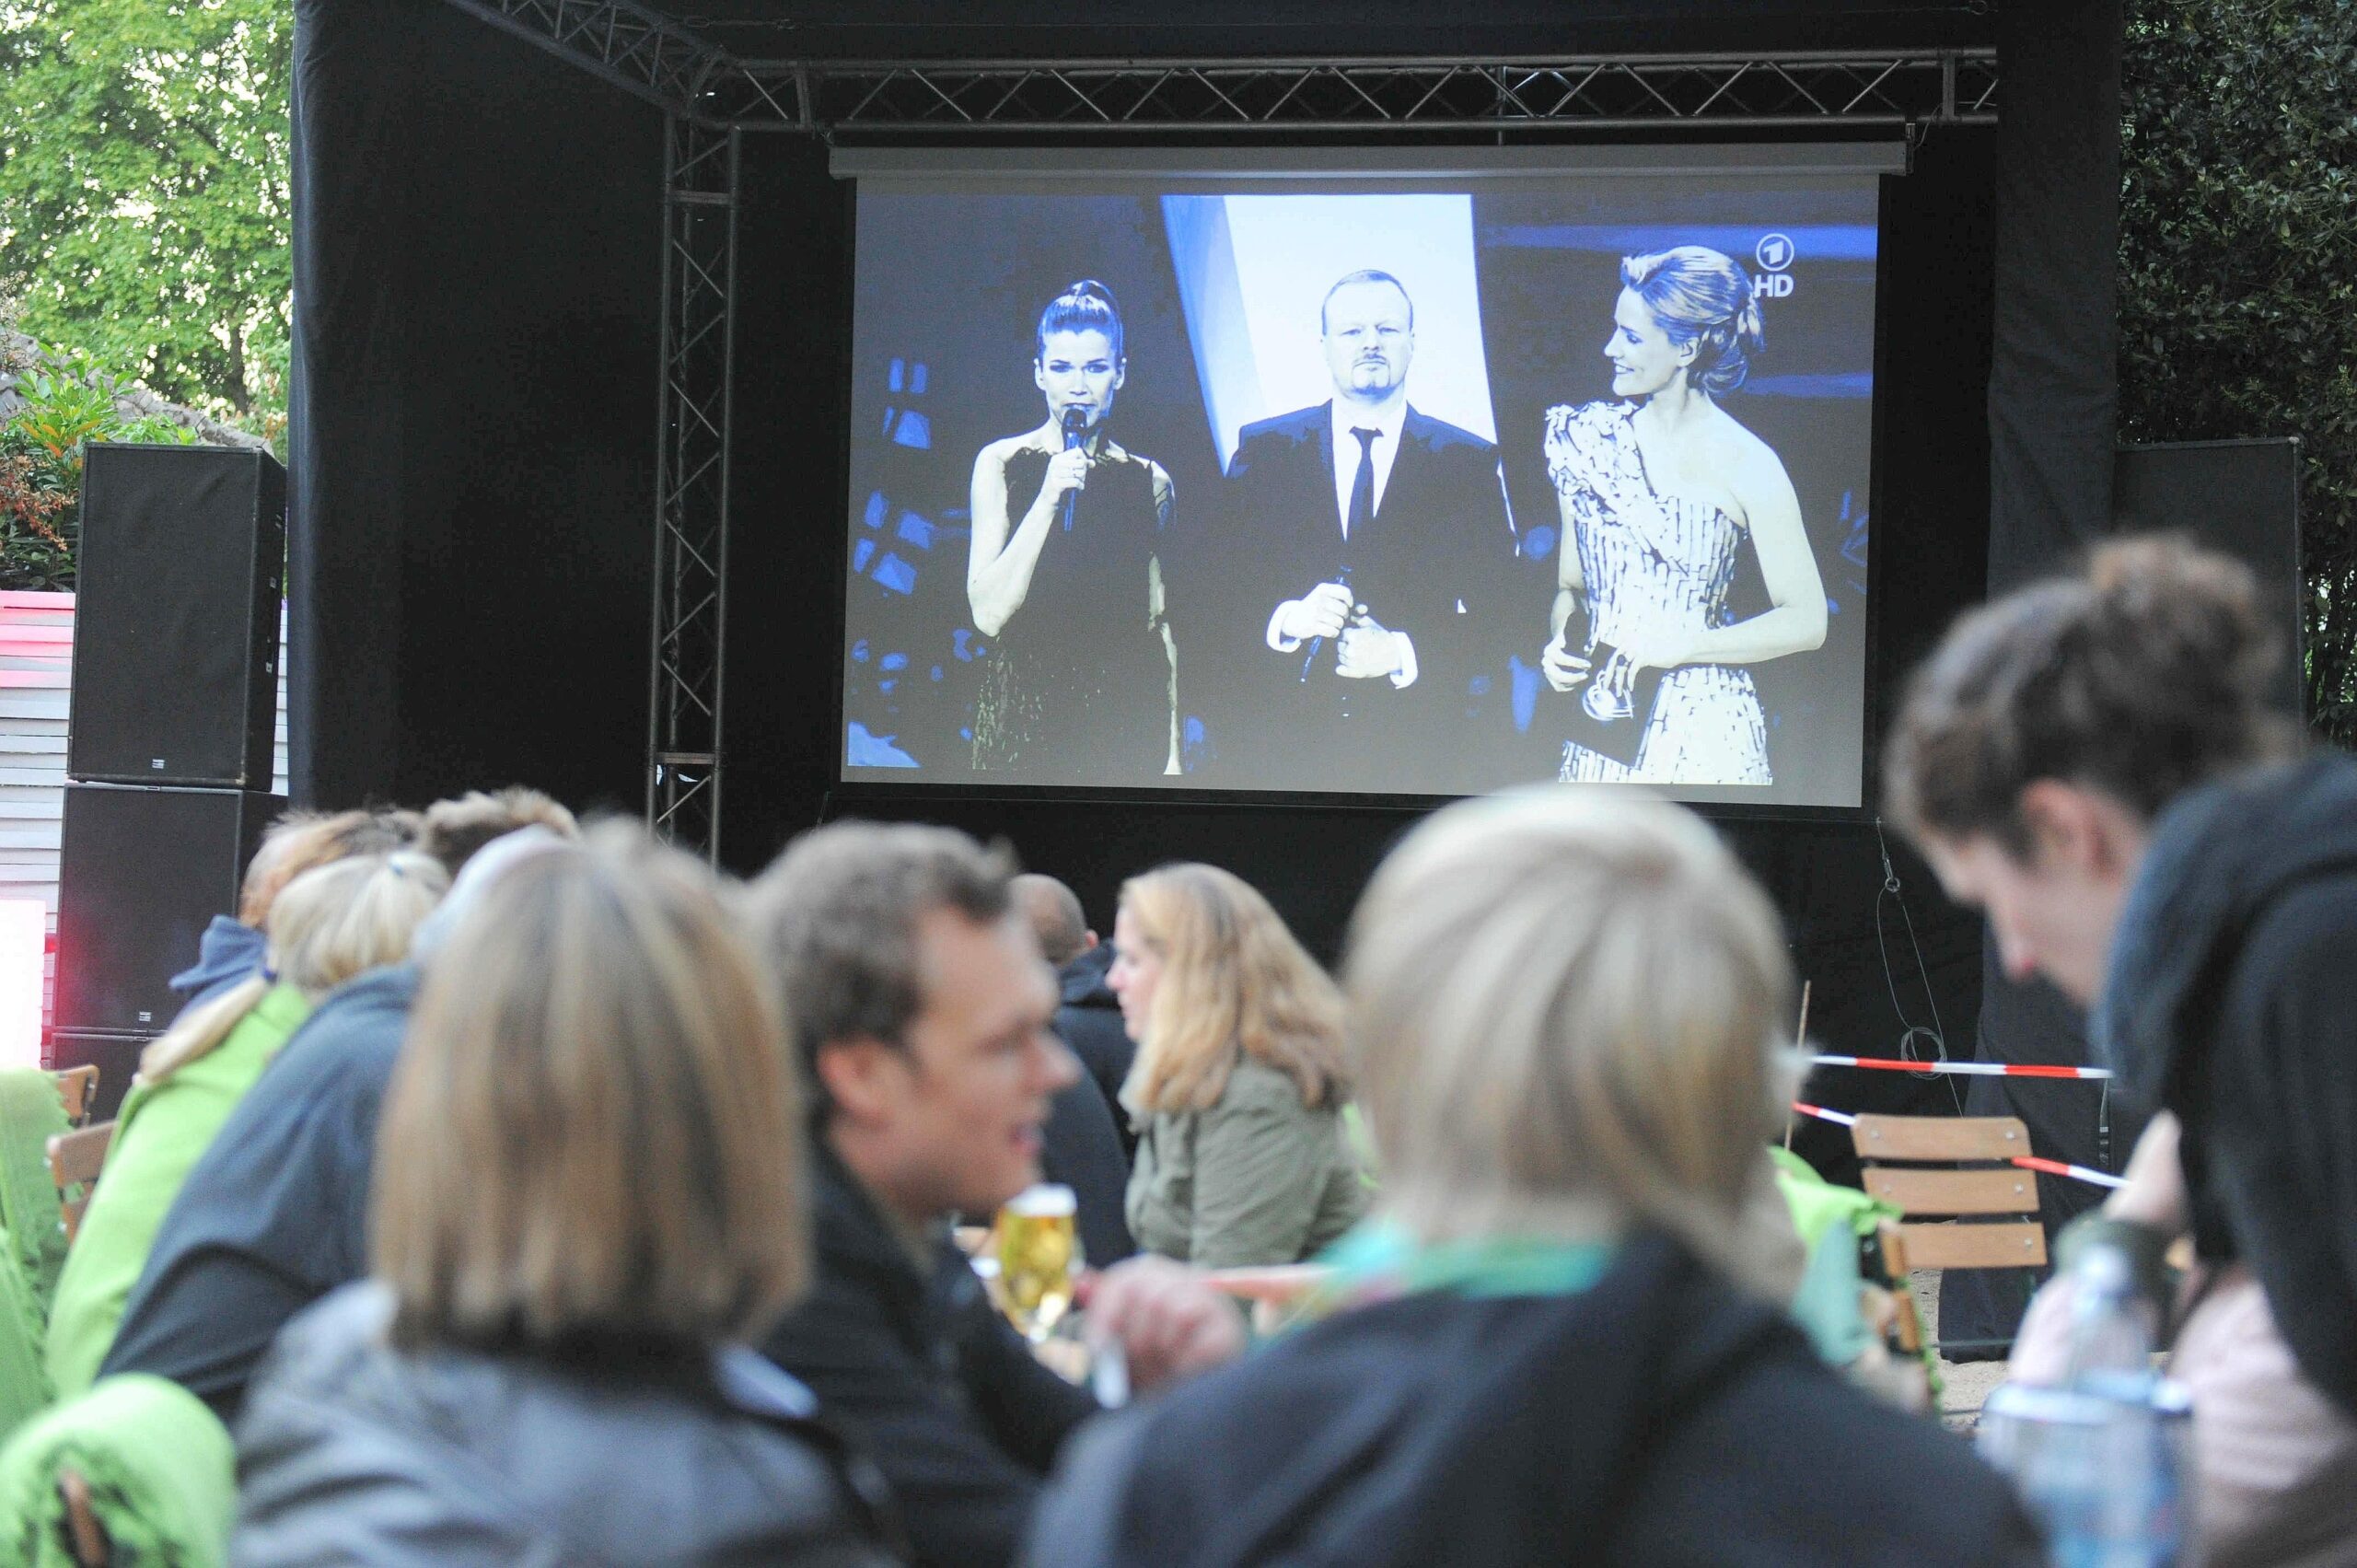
[[161, 1473], [163, 1131], [1258, 1178]]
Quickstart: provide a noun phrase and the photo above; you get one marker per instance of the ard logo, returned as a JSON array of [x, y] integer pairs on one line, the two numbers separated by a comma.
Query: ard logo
[[1774, 254]]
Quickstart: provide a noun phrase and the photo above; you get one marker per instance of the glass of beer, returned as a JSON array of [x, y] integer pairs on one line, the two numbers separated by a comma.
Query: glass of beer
[[1039, 1258]]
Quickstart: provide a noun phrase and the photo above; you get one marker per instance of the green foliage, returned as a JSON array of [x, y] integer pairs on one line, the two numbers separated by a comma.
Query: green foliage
[[144, 205], [2238, 267]]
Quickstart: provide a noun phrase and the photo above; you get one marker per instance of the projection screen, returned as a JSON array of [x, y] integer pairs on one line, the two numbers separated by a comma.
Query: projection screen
[[1409, 473]]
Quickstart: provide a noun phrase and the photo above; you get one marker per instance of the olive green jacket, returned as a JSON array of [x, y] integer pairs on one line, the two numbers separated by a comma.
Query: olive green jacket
[[1258, 1178]]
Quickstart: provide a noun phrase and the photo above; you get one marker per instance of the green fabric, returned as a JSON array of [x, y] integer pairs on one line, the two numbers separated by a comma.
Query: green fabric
[[161, 1471], [24, 1387], [1830, 1220], [1258, 1178], [1380, 1259], [31, 1114], [164, 1129]]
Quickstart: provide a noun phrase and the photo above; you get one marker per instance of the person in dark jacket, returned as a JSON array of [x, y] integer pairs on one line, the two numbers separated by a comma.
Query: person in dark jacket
[[1551, 1344], [1086, 1143], [919, 1008], [274, 1215], [1088, 1020], [591, 1195], [2094, 762]]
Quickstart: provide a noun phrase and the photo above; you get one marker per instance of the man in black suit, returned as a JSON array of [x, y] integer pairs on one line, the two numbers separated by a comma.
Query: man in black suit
[[1366, 549]]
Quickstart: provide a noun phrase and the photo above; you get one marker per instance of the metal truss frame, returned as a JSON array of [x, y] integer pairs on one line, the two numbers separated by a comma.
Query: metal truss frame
[[711, 99], [688, 633]]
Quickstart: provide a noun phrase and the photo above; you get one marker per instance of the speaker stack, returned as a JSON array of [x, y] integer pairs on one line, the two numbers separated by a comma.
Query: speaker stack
[[168, 750]]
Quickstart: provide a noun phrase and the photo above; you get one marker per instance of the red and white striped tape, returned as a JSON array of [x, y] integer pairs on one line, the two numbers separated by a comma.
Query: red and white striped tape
[[1970, 1069], [2027, 1162]]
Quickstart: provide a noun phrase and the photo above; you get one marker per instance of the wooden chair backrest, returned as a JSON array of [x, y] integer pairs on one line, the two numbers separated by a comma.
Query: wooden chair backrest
[[1944, 1195], [1274, 1292], [77, 1088], [74, 1159]]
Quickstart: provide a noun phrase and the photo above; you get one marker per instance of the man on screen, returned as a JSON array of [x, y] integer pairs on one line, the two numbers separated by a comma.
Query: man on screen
[[1368, 541]]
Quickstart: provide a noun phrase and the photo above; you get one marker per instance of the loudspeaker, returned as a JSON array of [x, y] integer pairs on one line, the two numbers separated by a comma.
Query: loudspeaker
[[2239, 498], [181, 568], [116, 1057], [141, 872]]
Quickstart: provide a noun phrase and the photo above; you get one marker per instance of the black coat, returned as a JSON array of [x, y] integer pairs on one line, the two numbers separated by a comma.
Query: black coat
[[1088, 1020], [1656, 1418], [2231, 999], [921, 1369], [1080, 1148], [352, 1451], [1435, 563], [276, 1214]]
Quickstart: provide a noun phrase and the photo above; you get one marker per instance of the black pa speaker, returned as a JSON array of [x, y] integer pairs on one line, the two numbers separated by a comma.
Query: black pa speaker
[[181, 568], [2239, 498], [141, 872], [116, 1056]]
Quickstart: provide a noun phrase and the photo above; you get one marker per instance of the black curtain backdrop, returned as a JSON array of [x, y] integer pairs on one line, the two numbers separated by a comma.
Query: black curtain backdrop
[[2053, 396]]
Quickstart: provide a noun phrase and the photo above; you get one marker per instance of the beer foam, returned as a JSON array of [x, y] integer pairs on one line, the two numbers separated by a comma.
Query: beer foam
[[1046, 1201]]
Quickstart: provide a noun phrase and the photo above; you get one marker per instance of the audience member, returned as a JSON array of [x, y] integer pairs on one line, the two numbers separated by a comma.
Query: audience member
[[331, 922], [1088, 1018], [231, 949], [1565, 1006], [590, 1192], [919, 1008], [274, 1215], [452, 831], [1081, 1146], [2092, 760], [1238, 1084]]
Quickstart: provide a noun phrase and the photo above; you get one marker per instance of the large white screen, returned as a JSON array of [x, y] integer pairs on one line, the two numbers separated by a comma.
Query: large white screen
[[1298, 492]]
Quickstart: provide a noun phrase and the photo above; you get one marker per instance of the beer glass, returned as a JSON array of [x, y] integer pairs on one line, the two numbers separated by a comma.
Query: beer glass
[[1039, 1258]]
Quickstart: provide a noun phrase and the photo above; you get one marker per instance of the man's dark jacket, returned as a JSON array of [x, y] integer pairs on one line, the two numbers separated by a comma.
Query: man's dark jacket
[[1089, 1021], [225, 953], [1432, 564], [2231, 999], [1656, 1418], [276, 1214], [1080, 1149], [913, 1360]]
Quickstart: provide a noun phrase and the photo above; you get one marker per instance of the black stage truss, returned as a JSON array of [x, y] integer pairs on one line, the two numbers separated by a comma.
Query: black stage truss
[[711, 97]]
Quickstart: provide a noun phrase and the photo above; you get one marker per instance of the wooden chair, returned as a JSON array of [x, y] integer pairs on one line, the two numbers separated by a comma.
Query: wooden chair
[[1274, 1292], [77, 1087], [73, 1162], [1964, 1207]]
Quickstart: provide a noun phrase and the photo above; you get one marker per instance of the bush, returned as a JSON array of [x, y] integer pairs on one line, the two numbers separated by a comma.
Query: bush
[[2237, 287], [63, 404]]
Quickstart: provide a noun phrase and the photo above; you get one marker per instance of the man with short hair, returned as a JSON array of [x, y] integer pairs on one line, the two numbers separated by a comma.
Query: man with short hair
[[1365, 547], [1087, 1148], [1088, 1018], [275, 1215], [917, 1006]]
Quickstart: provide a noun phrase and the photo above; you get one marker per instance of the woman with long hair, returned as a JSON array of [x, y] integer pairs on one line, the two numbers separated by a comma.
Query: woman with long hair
[[1239, 1082], [1550, 1342], [1660, 488], [588, 1197], [1064, 573], [328, 924]]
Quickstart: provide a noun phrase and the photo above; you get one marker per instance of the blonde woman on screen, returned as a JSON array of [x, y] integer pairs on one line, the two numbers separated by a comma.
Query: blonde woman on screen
[[1659, 491], [1065, 575]]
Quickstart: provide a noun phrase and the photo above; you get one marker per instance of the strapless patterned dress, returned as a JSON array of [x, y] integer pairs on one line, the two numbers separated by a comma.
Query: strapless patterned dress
[[1655, 563]]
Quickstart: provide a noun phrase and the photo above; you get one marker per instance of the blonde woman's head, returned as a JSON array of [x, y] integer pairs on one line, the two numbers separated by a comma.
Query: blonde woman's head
[[1208, 970], [594, 1129], [1566, 1008]]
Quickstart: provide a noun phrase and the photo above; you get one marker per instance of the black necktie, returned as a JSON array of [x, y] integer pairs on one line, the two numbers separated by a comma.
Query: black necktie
[[1362, 510]]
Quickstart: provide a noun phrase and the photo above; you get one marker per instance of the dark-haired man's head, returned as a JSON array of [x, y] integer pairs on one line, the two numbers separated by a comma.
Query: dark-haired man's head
[[455, 828], [2048, 730], [919, 1008], [1055, 916]]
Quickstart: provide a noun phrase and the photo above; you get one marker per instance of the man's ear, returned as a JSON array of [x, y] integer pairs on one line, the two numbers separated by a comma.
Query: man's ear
[[863, 1077], [1088, 939], [2071, 828]]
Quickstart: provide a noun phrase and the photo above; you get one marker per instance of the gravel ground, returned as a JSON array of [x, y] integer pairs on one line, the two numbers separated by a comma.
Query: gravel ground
[[1967, 1383]]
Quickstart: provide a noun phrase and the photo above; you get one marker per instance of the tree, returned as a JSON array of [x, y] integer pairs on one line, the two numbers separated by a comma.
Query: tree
[[143, 206], [2238, 267]]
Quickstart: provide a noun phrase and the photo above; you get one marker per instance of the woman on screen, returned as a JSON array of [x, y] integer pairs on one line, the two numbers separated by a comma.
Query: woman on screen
[[1659, 491], [1063, 574]]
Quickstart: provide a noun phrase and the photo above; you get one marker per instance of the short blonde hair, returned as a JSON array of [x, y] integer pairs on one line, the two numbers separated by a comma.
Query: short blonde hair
[[593, 1127], [452, 831], [328, 924], [1566, 1008], [1234, 980], [302, 840]]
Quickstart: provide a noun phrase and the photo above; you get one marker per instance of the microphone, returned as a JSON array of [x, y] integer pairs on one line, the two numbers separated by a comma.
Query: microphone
[[1309, 659], [1075, 433]]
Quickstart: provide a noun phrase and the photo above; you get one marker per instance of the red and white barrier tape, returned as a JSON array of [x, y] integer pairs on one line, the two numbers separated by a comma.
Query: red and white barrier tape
[[1972, 1069], [2026, 1162]]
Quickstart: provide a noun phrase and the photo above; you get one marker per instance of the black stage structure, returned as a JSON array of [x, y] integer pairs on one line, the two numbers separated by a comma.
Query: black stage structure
[[572, 323]]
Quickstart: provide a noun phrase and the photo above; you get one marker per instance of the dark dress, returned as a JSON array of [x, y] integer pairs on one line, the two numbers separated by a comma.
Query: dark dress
[[1077, 688]]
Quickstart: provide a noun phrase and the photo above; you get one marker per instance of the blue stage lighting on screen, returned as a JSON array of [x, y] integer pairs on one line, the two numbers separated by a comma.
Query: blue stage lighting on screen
[[873, 514], [859, 651], [862, 552], [1539, 543], [863, 749], [895, 573], [1526, 693], [915, 531], [894, 661], [897, 375], [914, 430]]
